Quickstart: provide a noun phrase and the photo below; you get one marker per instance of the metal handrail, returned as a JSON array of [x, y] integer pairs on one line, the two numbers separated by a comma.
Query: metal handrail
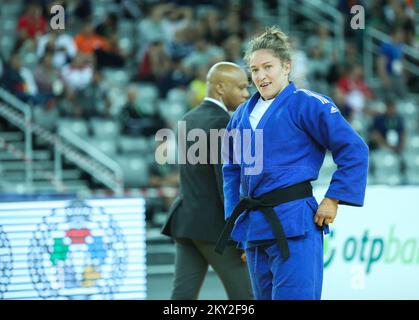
[[64, 147], [12, 101], [313, 11], [91, 150], [370, 49], [338, 25]]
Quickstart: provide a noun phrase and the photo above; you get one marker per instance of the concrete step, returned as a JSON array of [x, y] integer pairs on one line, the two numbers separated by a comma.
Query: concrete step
[[12, 136], [69, 186], [37, 155], [17, 145], [21, 165], [19, 176]]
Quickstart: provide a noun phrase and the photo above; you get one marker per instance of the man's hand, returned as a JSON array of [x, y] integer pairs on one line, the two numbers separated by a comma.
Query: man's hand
[[326, 212]]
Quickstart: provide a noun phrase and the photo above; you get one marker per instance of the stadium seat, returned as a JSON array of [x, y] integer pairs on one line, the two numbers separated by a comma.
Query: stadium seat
[[136, 171], [172, 111], [106, 145], [104, 128], [412, 143], [387, 167], [147, 92], [78, 126], [177, 95], [133, 145]]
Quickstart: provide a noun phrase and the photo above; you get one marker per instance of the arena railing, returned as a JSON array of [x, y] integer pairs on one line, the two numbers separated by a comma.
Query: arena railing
[[372, 40], [21, 117], [319, 13], [79, 152], [115, 181]]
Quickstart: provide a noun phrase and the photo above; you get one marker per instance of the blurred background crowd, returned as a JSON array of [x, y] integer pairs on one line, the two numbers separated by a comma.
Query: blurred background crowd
[[122, 69]]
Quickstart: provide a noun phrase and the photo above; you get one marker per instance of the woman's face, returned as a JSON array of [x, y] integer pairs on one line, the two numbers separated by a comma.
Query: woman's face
[[269, 73]]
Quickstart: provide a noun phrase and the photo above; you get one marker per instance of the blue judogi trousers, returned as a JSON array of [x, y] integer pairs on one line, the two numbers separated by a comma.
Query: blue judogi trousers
[[300, 277]]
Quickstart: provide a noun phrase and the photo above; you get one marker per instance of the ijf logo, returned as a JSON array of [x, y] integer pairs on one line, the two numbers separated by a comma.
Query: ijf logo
[[77, 252], [6, 262]]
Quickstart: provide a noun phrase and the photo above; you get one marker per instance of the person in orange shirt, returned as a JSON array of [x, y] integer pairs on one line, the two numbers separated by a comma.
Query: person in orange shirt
[[90, 43], [87, 41]]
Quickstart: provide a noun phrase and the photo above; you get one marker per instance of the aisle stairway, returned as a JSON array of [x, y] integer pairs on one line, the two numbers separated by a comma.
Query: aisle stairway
[[13, 167]]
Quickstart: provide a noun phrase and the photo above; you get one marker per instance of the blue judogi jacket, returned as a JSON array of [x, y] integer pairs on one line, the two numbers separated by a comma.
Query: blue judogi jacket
[[298, 127]]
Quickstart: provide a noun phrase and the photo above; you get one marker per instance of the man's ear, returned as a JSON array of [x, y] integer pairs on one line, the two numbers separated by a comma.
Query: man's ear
[[220, 88]]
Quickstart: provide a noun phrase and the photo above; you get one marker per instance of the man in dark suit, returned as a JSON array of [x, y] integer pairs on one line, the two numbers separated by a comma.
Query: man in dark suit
[[196, 218]]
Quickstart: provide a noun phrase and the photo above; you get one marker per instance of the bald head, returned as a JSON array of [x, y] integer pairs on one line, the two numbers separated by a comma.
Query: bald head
[[227, 82]]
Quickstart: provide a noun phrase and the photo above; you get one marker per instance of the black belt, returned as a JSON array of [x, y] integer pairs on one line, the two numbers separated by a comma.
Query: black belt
[[265, 203]]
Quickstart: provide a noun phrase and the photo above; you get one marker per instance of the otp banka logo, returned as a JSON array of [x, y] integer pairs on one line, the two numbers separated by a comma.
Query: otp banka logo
[[368, 250]]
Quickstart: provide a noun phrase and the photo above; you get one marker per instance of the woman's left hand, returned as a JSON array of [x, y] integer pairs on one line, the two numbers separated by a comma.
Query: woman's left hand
[[326, 212]]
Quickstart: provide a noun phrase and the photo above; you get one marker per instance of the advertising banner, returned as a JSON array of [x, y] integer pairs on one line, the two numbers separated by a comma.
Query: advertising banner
[[373, 252]]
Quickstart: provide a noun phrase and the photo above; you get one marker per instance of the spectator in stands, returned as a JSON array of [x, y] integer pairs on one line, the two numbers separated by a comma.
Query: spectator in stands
[[90, 43], [233, 50], [20, 81], [211, 27], [375, 16], [134, 121], [198, 87], [108, 27], [81, 9], [178, 76], [324, 42], [232, 25], [204, 54], [31, 24], [356, 92], [299, 72], [182, 44], [340, 99], [60, 44], [87, 41], [96, 97], [48, 79], [318, 68], [155, 63], [176, 18], [151, 28], [77, 76], [390, 65], [387, 131]]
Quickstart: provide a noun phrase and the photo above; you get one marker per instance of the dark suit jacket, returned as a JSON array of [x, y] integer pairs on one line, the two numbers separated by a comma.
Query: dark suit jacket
[[198, 211]]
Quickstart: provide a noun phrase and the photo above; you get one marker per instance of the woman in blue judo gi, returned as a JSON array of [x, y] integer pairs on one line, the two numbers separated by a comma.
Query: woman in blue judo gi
[[270, 210]]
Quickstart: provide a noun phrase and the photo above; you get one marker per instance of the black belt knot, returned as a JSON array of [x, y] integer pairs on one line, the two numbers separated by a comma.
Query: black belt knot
[[252, 203], [265, 204]]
